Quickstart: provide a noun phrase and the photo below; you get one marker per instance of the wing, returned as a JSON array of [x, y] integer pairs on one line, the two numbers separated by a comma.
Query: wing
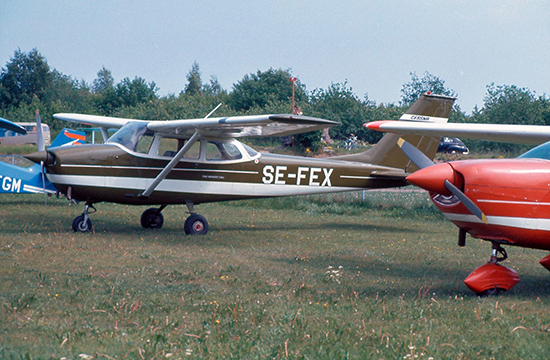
[[519, 134], [243, 126], [233, 126], [6, 124], [94, 120]]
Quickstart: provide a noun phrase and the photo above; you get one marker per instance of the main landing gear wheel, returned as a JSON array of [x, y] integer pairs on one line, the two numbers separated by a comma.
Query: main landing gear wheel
[[196, 225], [152, 219], [83, 223]]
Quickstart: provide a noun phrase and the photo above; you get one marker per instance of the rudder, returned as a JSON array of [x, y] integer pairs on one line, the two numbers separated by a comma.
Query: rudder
[[428, 108]]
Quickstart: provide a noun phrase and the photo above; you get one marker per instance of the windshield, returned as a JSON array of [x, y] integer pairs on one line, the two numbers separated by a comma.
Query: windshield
[[129, 135], [539, 152]]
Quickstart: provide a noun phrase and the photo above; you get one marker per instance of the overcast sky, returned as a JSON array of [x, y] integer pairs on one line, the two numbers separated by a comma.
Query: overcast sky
[[373, 45]]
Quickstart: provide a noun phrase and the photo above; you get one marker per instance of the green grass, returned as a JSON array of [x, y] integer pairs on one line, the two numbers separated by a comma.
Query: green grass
[[326, 277]]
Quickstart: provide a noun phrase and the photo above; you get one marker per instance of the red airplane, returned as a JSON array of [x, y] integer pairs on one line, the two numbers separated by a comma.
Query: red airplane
[[504, 201]]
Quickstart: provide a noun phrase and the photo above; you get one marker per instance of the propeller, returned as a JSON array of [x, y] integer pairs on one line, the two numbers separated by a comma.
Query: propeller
[[430, 175], [41, 147]]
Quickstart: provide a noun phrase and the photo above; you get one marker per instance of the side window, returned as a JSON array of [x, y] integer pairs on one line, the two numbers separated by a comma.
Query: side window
[[193, 153], [222, 151], [212, 151], [144, 144], [231, 152], [168, 147]]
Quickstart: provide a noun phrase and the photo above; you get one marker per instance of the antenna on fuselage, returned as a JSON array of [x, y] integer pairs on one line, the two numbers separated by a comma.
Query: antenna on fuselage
[[211, 112]]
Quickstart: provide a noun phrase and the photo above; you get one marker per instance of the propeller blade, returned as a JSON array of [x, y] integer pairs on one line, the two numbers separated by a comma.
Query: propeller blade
[[41, 147], [469, 204], [43, 182], [416, 156], [39, 134]]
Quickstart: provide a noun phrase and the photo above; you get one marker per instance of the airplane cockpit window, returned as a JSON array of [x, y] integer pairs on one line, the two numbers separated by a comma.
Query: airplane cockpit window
[[133, 136], [539, 152], [251, 152], [203, 150], [170, 146]]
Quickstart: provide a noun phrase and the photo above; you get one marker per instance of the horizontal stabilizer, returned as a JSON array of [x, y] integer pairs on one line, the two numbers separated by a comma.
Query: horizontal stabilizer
[[519, 134]]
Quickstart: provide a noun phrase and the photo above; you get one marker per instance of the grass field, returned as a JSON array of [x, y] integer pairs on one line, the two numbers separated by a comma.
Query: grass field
[[328, 277]]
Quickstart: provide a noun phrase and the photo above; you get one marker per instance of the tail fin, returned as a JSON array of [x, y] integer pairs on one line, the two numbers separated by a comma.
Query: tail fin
[[428, 108], [69, 137]]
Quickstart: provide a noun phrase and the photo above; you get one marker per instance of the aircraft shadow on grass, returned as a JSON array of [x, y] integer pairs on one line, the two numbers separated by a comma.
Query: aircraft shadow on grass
[[415, 278], [325, 227]]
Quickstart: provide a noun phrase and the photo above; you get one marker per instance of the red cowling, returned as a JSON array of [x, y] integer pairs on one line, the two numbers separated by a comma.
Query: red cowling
[[433, 178], [546, 262], [490, 276]]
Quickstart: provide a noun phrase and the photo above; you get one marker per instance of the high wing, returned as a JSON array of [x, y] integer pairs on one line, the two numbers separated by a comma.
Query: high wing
[[519, 134], [232, 126], [6, 124], [94, 120]]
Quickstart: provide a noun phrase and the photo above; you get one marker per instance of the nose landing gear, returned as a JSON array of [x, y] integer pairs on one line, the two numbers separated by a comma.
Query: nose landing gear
[[83, 223], [492, 278]]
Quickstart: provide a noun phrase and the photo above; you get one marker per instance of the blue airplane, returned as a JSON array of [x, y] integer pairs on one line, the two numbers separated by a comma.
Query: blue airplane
[[32, 180]]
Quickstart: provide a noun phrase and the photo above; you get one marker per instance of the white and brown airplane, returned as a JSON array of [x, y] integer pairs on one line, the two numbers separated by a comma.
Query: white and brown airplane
[[200, 160]]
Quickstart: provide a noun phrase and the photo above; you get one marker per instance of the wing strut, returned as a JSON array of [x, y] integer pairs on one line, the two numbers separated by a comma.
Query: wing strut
[[162, 175]]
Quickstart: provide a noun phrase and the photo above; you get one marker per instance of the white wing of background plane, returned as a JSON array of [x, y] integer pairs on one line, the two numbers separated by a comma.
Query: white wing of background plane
[[93, 120], [233, 126], [519, 134]]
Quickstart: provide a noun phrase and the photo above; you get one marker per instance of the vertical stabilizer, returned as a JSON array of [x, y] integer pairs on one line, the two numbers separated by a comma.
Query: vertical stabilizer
[[428, 108]]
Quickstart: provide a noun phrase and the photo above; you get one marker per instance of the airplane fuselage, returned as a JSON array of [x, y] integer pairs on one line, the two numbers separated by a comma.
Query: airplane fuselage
[[112, 173], [514, 194]]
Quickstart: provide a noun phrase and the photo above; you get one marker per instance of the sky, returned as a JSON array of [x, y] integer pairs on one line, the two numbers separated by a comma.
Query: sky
[[373, 46]]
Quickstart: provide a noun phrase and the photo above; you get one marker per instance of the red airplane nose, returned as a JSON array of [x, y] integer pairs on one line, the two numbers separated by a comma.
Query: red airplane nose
[[433, 178]]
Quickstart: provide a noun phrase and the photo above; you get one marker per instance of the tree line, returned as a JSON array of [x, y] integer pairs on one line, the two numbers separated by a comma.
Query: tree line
[[27, 83]]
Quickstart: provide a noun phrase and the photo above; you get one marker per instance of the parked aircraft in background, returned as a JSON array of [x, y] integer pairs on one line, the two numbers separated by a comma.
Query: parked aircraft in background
[[8, 137], [504, 201], [200, 160], [26, 180]]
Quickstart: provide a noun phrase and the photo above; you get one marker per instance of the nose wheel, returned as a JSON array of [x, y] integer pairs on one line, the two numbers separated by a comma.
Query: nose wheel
[[492, 278], [83, 223]]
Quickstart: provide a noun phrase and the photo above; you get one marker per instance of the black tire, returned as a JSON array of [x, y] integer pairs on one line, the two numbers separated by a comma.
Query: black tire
[[196, 225], [491, 292], [152, 219], [79, 225]]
